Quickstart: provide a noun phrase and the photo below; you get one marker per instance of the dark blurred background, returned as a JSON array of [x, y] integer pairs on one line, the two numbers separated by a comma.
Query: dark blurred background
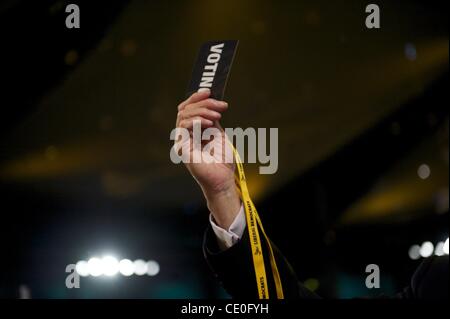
[[84, 146]]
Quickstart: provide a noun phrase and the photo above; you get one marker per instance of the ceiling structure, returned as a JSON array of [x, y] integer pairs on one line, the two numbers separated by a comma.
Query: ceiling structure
[[311, 69]]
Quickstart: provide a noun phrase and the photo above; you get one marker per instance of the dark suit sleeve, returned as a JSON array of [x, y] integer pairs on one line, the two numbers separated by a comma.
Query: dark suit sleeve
[[234, 269], [430, 280]]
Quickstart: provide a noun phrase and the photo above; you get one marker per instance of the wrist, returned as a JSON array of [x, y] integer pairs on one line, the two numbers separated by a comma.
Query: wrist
[[224, 205]]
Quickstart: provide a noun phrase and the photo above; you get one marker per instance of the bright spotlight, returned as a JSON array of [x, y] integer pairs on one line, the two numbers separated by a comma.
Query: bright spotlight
[[82, 268], [95, 267], [152, 268], [110, 266], [446, 247], [414, 252], [424, 171], [410, 51], [140, 267], [126, 267], [439, 249], [426, 250]]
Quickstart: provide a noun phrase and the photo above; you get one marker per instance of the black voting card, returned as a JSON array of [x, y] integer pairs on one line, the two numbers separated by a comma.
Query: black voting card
[[212, 68]]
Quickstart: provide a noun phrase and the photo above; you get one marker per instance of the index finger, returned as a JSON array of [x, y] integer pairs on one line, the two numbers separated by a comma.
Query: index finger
[[196, 97]]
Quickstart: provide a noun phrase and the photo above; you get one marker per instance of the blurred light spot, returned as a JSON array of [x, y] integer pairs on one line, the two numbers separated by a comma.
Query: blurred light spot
[[95, 267], [312, 18], [51, 153], [312, 284], [128, 48], [410, 52], [106, 45], [71, 57], [424, 171], [106, 123], [426, 250], [257, 183], [152, 268], [126, 267], [439, 250], [445, 249], [82, 268], [110, 266], [140, 267], [24, 292], [258, 27], [414, 252], [121, 185]]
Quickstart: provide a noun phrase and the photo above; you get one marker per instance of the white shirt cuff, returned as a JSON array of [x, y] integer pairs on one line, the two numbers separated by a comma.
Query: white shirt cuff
[[227, 238]]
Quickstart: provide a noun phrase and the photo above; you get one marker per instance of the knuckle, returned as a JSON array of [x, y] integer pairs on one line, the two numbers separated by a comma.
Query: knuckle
[[211, 102], [210, 113], [181, 105]]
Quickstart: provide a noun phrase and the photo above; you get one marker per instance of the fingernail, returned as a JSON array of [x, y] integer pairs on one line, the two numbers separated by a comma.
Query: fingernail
[[203, 90]]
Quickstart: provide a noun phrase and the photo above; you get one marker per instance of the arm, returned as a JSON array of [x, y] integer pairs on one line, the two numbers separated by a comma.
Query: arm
[[231, 261], [216, 179], [233, 267]]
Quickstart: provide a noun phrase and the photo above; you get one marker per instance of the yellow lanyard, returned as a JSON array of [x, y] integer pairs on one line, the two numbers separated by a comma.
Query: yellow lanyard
[[253, 221]]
